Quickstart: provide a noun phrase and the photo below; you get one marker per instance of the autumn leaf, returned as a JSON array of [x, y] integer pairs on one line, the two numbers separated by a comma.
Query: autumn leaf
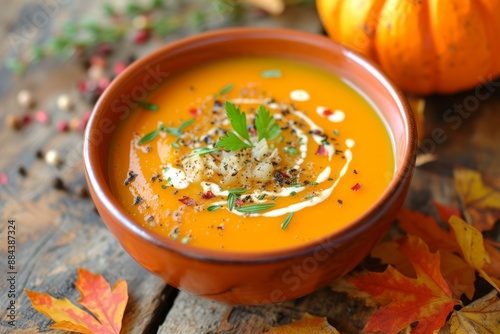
[[427, 228], [459, 275], [445, 212], [106, 305], [426, 299], [308, 324], [492, 268], [481, 203], [481, 316], [472, 248]]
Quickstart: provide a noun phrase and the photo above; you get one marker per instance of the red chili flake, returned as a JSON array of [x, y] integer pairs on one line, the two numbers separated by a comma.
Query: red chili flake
[[208, 195], [252, 131], [42, 117], [187, 201], [327, 112], [142, 36], [356, 187], [119, 67], [4, 179], [238, 203], [322, 151], [194, 112], [284, 175], [62, 126]]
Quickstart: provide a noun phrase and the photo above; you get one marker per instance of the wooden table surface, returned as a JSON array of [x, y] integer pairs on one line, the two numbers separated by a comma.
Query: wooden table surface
[[58, 231]]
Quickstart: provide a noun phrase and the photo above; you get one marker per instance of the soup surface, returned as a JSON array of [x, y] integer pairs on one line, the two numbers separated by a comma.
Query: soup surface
[[250, 154]]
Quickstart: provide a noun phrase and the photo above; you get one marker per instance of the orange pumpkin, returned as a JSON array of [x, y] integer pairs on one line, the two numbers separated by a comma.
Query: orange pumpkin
[[425, 46]]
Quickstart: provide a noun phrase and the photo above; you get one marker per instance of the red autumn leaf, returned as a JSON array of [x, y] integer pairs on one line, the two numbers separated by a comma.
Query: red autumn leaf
[[187, 201], [445, 212], [426, 228], [425, 299], [459, 275], [208, 195], [356, 187], [481, 203], [321, 151], [107, 306]]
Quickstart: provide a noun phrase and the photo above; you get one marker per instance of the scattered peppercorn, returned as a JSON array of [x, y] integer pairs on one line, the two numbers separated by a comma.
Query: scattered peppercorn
[[130, 178], [137, 200], [22, 171], [340, 201], [58, 184], [39, 154], [82, 191], [13, 122]]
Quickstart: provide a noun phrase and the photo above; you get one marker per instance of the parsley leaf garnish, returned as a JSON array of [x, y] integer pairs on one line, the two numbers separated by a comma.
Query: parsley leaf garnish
[[238, 121], [265, 125], [232, 142]]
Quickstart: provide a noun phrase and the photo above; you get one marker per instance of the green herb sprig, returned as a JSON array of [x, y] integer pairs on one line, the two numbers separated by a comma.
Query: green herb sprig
[[173, 131], [264, 123], [147, 105], [287, 221], [255, 208]]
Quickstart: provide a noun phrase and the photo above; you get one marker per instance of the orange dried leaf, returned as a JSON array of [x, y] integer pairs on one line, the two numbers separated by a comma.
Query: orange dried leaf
[[481, 316], [472, 247], [388, 252], [426, 228], [426, 299], [481, 203], [105, 304], [445, 212], [459, 275], [492, 268], [308, 324]]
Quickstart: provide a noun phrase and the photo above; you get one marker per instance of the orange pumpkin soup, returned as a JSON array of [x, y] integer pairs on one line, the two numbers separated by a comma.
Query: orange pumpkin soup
[[250, 154]]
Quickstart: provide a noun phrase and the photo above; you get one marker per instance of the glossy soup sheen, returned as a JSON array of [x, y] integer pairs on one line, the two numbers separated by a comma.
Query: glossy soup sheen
[[318, 113]]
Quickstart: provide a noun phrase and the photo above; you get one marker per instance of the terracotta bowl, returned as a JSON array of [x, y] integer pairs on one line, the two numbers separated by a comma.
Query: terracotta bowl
[[260, 277]]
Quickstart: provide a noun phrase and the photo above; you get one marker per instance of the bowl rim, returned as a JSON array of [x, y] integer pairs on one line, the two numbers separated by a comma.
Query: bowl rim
[[104, 195]]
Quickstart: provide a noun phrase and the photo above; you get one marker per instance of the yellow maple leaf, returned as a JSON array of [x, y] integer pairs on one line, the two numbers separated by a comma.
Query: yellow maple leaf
[[471, 243], [106, 305], [306, 325], [481, 203], [481, 316]]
